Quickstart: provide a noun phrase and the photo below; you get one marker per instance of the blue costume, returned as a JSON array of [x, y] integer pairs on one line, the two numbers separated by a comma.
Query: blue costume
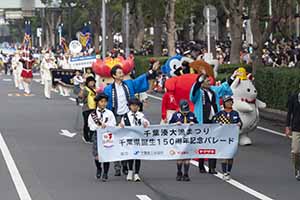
[[179, 117], [197, 98], [131, 87]]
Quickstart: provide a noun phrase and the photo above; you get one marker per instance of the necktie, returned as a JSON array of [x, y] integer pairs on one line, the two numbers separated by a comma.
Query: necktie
[[101, 113], [135, 119]]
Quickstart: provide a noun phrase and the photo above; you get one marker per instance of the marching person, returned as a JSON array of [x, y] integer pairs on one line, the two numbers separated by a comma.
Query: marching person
[[206, 100], [26, 73], [227, 116], [47, 76], [119, 92], [87, 96], [134, 118], [183, 116], [293, 129], [100, 118], [17, 70], [77, 81]]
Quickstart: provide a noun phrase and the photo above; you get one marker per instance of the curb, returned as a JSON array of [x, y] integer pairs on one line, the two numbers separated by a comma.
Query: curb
[[273, 114]]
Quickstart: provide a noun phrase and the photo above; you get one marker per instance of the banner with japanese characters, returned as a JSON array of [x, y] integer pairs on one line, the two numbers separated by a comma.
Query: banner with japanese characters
[[167, 142]]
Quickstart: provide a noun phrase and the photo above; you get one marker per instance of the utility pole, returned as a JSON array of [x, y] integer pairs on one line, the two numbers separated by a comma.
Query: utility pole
[[127, 51]]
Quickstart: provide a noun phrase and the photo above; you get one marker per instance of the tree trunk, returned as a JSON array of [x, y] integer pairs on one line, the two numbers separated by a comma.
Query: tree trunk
[[236, 39], [138, 41], [170, 10], [157, 37], [96, 39], [110, 41]]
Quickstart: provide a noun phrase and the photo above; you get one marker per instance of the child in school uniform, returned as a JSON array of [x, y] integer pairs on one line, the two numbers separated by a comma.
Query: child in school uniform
[[100, 118], [227, 116], [183, 116], [134, 118]]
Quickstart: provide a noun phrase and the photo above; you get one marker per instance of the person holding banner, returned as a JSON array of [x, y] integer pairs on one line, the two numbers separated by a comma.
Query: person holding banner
[[120, 91], [206, 100], [134, 118], [184, 116], [87, 95], [227, 116], [100, 118]]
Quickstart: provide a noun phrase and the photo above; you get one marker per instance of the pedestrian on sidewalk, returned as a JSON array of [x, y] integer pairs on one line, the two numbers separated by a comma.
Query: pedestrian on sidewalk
[[134, 118], [100, 118], [293, 129], [87, 96], [227, 116], [183, 116]]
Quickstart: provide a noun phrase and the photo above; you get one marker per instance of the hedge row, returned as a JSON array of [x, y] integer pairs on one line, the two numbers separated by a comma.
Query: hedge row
[[274, 85]]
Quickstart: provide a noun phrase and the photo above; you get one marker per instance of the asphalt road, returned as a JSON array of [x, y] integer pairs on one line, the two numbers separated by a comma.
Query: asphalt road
[[55, 167]]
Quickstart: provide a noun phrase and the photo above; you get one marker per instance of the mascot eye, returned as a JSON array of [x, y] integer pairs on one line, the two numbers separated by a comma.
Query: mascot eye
[[248, 90], [254, 91], [175, 64]]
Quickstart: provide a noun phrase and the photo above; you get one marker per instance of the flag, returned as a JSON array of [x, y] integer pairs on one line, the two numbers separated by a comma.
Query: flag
[[64, 44], [27, 42], [85, 37]]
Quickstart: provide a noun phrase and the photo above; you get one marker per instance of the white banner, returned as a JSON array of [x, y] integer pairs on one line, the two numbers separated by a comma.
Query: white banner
[[167, 142], [82, 62]]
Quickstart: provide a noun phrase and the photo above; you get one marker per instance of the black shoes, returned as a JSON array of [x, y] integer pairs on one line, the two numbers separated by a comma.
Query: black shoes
[[118, 173], [212, 171], [186, 178], [104, 177], [125, 171], [202, 170], [98, 174], [179, 177]]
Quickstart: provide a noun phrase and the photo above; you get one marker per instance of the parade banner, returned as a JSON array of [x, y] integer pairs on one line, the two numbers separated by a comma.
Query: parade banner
[[167, 142], [82, 62], [63, 76]]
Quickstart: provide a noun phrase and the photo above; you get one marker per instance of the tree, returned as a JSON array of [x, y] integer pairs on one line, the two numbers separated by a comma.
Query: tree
[[171, 25], [234, 11]]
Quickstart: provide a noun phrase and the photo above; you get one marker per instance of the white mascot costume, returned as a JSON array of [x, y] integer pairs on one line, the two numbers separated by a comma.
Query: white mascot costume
[[246, 103]]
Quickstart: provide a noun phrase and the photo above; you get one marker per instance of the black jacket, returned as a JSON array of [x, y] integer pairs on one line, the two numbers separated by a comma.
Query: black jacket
[[293, 115]]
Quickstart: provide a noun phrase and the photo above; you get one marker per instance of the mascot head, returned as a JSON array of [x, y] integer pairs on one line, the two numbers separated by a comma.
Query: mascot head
[[173, 66]]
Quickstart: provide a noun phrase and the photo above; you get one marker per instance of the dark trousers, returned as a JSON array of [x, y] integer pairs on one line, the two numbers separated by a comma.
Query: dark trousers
[[86, 130], [137, 165], [211, 163], [120, 164]]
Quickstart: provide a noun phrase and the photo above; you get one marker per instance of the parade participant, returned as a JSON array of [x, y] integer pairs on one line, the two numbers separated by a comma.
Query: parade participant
[[293, 128], [88, 73], [184, 116], [227, 116], [206, 100], [17, 70], [119, 92], [134, 118], [87, 95], [77, 81], [26, 73], [100, 118], [47, 76], [168, 106], [63, 88]]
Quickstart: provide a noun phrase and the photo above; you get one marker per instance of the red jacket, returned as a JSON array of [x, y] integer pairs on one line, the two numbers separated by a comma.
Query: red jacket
[[168, 103]]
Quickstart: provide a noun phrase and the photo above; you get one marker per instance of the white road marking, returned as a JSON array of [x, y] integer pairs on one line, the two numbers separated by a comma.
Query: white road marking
[[7, 79], [72, 99], [14, 172], [154, 97], [238, 185], [67, 133], [271, 131], [37, 80], [143, 197]]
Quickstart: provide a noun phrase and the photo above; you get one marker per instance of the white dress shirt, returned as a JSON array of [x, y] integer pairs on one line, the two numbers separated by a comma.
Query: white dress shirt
[[139, 116], [107, 118], [78, 80], [122, 101]]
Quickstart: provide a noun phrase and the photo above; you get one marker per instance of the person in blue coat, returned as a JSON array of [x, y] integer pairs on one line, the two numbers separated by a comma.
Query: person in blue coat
[[120, 91], [206, 100]]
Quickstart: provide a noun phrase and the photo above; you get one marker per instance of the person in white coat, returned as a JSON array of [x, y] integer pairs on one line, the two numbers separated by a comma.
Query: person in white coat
[[17, 67], [47, 66]]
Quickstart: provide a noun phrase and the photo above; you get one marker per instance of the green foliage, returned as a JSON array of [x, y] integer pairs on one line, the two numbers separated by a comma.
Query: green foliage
[[142, 63], [274, 85]]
